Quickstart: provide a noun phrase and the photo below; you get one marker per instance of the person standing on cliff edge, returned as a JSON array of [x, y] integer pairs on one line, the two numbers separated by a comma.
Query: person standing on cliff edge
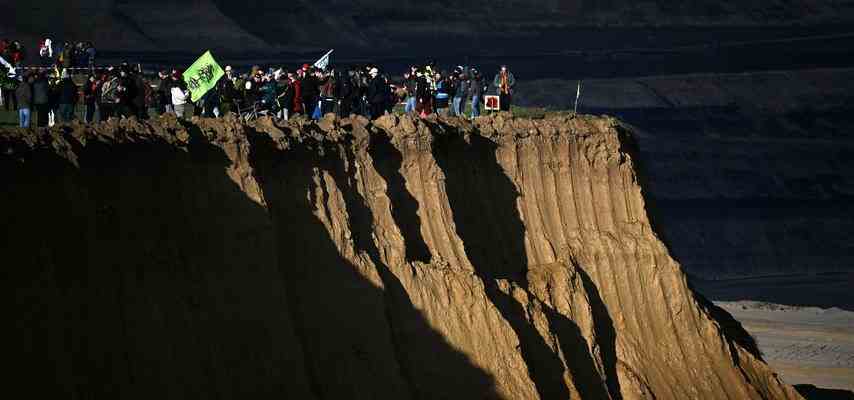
[[24, 97], [377, 93], [504, 82]]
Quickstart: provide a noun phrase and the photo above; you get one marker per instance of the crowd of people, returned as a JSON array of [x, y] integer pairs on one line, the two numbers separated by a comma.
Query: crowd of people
[[53, 95], [363, 90], [121, 91], [428, 91]]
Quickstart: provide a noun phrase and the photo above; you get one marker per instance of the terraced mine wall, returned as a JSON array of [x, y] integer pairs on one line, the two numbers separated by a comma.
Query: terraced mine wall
[[423, 259]]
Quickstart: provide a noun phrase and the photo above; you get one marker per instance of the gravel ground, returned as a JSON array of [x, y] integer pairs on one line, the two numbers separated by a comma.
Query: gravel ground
[[806, 345]]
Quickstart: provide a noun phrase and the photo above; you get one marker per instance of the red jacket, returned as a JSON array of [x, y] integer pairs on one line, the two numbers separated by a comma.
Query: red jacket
[[297, 96]]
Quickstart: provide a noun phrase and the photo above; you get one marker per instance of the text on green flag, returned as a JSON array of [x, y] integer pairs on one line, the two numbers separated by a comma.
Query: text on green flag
[[202, 76]]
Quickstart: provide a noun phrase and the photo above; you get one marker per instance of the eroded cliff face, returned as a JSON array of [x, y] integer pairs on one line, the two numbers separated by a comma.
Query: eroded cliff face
[[508, 259]]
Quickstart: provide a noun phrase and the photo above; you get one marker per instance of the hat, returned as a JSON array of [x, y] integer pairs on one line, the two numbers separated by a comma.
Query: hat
[[374, 71], [305, 67], [228, 67]]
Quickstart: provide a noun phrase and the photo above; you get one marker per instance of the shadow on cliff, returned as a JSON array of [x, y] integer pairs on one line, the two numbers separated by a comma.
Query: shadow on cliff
[[152, 279], [388, 162], [732, 328], [484, 204], [338, 307], [148, 272], [607, 335]]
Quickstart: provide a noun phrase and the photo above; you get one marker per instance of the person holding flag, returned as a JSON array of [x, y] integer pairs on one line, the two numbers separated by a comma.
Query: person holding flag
[[202, 76]]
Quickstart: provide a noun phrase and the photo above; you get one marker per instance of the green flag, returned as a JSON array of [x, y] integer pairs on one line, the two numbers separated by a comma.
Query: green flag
[[202, 76]]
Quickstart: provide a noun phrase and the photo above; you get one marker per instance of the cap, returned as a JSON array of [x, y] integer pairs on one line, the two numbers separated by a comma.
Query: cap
[[228, 67]]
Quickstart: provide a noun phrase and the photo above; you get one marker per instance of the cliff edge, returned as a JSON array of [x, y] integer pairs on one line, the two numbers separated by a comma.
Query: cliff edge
[[506, 258]]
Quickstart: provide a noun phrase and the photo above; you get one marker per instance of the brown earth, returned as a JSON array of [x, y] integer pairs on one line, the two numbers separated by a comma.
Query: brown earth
[[508, 258]]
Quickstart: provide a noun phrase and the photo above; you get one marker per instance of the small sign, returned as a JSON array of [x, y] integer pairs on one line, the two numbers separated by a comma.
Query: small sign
[[492, 103]]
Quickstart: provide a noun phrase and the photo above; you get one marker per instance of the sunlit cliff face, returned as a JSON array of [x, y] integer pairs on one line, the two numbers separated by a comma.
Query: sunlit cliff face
[[506, 258]]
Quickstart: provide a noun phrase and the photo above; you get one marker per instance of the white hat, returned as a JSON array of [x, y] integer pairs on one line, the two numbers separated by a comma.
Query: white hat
[[228, 67], [374, 71]]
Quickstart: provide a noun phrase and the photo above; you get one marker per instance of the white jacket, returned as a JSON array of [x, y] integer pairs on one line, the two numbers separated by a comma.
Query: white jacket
[[47, 49], [179, 96]]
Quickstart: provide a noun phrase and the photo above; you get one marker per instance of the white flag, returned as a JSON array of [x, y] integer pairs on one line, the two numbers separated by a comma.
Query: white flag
[[323, 62], [11, 72]]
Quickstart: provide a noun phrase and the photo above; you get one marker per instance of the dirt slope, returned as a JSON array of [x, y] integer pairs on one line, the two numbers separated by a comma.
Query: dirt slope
[[507, 259]]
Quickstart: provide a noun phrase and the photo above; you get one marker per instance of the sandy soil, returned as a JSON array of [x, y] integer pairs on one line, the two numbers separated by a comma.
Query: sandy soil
[[805, 345]]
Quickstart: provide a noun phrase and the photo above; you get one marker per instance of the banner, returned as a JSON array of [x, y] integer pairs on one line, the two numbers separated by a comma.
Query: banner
[[323, 62], [202, 76]]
